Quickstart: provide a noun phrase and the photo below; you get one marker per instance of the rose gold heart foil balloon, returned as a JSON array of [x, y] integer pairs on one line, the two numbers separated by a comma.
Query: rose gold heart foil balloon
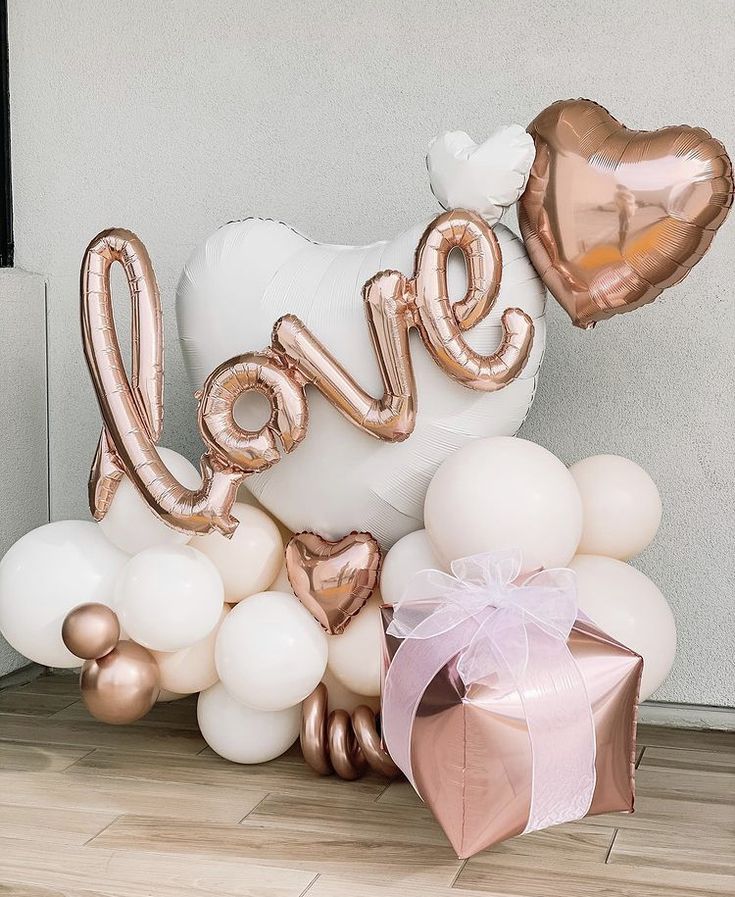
[[333, 580], [611, 217]]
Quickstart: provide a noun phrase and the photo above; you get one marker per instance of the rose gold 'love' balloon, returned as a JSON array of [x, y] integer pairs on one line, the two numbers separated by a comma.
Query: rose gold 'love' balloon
[[333, 580], [132, 407], [611, 217]]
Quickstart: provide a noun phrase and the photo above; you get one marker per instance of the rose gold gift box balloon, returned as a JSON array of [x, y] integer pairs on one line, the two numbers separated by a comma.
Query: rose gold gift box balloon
[[471, 753]]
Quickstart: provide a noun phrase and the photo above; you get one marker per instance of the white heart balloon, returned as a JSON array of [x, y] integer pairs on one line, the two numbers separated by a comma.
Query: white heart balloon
[[247, 274]]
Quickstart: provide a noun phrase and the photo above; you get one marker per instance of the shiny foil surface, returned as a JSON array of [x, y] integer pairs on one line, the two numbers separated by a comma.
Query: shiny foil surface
[[471, 754], [612, 216], [333, 580]]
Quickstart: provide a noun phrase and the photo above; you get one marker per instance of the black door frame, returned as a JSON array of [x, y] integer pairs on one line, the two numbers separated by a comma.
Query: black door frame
[[6, 190]]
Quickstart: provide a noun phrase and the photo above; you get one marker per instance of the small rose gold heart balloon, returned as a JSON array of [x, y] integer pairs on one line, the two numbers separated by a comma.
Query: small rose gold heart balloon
[[611, 217], [333, 580]]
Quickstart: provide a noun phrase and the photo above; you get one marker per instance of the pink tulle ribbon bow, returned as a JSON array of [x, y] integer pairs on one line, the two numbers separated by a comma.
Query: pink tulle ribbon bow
[[509, 635]]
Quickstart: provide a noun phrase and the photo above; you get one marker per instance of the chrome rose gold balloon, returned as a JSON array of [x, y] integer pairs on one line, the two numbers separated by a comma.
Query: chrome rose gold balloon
[[611, 217], [471, 753], [90, 630], [132, 411], [333, 580], [339, 743], [122, 686]]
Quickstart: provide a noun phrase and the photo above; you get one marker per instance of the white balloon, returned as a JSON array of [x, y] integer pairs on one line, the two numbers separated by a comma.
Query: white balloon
[[249, 273], [270, 652], [249, 561], [408, 556], [628, 606], [503, 493], [341, 698], [169, 597], [44, 575], [355, 656], [190, 669], [242, 734], [621, 506], [131, 525], [486, 177]]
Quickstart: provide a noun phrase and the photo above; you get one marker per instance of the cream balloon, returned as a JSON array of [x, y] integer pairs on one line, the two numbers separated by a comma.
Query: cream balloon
[[242, 734], [167, 697], [44, 575], [339, 697], [408, 556], [504, 493], [131, 525], [169, 597], [621, 506], [249, 273], [282, 583], [628, 606], [355, 656], [249, 561], [190, 669], [270, 652]]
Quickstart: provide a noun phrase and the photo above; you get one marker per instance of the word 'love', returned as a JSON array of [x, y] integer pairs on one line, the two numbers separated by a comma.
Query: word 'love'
[[132, 408]]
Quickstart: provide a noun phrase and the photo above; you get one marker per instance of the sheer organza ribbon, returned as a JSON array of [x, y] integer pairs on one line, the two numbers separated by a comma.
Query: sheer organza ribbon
[[511, 636]]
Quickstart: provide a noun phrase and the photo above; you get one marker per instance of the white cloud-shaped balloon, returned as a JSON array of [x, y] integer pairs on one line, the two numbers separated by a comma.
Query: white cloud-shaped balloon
[[483, 177]]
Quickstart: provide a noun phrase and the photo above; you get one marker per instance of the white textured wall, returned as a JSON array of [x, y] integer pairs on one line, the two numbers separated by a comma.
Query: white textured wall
[[173, 117], [23, 458]]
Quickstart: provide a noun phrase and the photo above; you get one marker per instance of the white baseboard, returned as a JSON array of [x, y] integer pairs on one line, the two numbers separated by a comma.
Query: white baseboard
[[687, 716]]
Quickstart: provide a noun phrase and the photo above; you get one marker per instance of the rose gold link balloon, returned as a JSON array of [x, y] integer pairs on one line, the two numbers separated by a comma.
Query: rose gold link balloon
[[611, 216], [378, 759], [314, 731], [122, 686], [338, 743], [132, 412], [344, 751], [90, 630]]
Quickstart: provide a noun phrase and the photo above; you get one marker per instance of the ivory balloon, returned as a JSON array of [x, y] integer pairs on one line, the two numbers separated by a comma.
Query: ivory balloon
[[504, 493], [621, 506], [47, 573], [169, 597], [410, 554], [250, 273], [270, 652], [250, 559], [242, 734], [626, 604], [131, 525], [166, 697], [355, 656], [122, 686], [282, 583], [190, 669]]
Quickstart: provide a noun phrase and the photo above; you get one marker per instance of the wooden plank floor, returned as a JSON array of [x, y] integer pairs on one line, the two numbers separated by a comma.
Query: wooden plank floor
[[88, 810]]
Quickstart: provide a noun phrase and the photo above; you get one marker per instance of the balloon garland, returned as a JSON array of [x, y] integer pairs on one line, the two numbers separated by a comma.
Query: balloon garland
[[132, 410]]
